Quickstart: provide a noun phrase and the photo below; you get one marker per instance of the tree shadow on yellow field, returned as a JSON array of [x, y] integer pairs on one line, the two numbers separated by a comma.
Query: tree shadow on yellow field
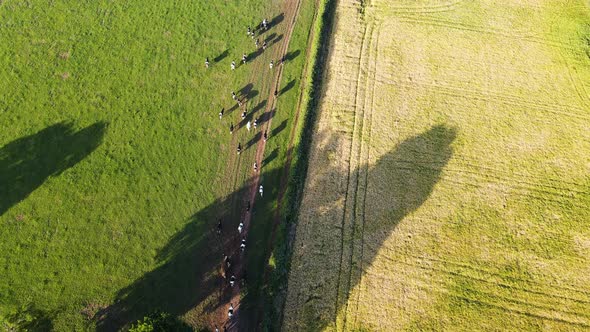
[[26, 163], [378, 197]]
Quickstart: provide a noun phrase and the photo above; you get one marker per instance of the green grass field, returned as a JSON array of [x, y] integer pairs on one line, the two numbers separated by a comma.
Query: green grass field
[[114, 165], [448, 186]]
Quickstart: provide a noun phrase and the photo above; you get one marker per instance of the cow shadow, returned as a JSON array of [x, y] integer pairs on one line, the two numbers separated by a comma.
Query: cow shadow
[[230, 110], [287, 87], [278, 129], [290, 56], [276, 20], [271, 156], [221, 56], [265, 117], [258, 107], [255, 54], [276, 40], [386, 192], [270, 37], [259, 30], [26, 163], [245, 91]]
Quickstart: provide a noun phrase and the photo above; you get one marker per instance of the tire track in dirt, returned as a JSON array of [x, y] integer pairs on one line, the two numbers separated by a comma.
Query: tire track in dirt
[[475, 93], [291, 12], [371, 86], [362, 109], [563, 110], [491, 274], [514, 180], [573, 73], [577, 85], [444, 7], [514, 34], [479, 179], [545, 304], [558, 200], [341, 286]]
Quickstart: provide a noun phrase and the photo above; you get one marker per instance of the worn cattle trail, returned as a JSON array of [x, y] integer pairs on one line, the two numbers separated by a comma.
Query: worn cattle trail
[[289, 14]]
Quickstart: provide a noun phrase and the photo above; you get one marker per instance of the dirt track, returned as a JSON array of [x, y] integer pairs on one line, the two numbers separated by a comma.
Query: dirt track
[[219, 318]]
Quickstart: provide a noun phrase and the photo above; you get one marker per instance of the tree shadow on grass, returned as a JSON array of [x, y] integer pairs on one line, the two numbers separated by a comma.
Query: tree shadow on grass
[[386, 192], [189, 270], [189, 274], [26, 163]]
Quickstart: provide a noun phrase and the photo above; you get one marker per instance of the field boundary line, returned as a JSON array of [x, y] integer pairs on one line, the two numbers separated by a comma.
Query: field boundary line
[[322, 25]]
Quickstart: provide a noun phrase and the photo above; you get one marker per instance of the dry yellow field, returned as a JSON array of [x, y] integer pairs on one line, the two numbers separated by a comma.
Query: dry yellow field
[[449, 177]]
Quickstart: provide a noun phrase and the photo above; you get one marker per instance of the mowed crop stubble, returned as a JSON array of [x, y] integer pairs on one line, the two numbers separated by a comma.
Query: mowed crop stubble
[[448, 184]]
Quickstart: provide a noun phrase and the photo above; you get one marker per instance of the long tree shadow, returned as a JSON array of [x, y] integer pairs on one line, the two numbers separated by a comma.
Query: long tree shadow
[[190, 272], [27, 162], [386, 192]]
